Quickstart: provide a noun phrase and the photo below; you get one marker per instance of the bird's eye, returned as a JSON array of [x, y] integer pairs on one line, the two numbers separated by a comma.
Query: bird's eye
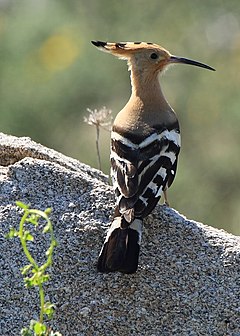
[[154, 56]]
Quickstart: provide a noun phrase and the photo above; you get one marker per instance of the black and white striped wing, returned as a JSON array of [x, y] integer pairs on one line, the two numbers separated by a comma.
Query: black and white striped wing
[[141, 171]]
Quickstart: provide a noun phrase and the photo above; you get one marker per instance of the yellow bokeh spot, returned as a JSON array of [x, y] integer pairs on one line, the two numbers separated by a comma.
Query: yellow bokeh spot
[[58, 52]]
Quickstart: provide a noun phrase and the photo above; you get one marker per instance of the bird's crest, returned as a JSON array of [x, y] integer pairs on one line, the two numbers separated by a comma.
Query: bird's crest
[[122, 49], [160, 57]]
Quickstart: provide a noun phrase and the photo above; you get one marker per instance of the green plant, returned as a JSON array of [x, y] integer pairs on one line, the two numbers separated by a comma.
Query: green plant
[[35, 275]]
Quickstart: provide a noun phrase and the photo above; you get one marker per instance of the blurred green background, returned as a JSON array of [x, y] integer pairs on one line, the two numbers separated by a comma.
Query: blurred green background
[[50, 74]]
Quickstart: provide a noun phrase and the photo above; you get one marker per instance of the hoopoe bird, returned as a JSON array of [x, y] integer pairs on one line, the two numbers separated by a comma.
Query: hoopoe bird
[[145, 143]]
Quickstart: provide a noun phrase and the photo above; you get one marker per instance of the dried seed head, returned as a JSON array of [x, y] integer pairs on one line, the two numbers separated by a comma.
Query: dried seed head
[[100, 118]]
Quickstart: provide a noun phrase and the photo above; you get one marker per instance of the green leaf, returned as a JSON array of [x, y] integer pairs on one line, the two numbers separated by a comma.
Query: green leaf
[[28, 282], [26, 269], [28, 236], [37, 278], [48, 211], [39, 328], [33, 219], [44, 278], [49, 309], [33, 280], [12, 233], [22, 205]]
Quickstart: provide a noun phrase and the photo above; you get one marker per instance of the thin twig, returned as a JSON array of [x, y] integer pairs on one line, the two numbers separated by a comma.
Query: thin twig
[[98, 150]]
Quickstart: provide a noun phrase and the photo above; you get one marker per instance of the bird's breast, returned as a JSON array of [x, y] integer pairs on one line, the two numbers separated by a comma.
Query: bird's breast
[[138, 122]]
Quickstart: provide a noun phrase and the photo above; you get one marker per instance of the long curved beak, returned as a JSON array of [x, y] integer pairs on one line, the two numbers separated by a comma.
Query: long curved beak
[[176, 59]]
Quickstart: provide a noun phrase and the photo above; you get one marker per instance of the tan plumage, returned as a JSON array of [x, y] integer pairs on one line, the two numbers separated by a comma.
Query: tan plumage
[[145, 144]]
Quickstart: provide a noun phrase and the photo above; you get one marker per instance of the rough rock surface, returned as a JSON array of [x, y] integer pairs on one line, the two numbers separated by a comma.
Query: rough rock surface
[[188, 281]]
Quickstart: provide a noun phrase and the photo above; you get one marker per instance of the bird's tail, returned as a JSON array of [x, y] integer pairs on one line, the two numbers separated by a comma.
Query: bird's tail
[[121, 247]]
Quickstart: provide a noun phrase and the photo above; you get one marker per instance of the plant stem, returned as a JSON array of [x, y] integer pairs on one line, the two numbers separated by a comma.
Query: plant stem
[[32, 261], [36, 274], [41, 294], [98, 150], [23, 241]]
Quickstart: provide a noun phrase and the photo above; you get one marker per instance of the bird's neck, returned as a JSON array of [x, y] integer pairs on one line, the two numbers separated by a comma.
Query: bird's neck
[[146, 108], [147, 89]]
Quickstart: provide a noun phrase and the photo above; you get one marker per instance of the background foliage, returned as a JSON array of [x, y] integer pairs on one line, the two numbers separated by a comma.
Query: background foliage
[[50, 74]]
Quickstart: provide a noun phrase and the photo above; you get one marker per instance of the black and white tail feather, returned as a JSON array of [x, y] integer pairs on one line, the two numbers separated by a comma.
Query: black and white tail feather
[[142, 168], [120, 250]]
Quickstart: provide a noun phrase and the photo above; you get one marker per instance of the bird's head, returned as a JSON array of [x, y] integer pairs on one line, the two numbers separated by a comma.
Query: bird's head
[[144, 56]]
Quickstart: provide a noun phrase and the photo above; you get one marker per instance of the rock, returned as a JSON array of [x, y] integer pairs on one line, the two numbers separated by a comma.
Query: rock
[[188, 281]]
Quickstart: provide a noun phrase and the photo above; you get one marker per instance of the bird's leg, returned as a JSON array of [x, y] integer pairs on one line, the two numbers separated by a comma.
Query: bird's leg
[[165, 198]]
